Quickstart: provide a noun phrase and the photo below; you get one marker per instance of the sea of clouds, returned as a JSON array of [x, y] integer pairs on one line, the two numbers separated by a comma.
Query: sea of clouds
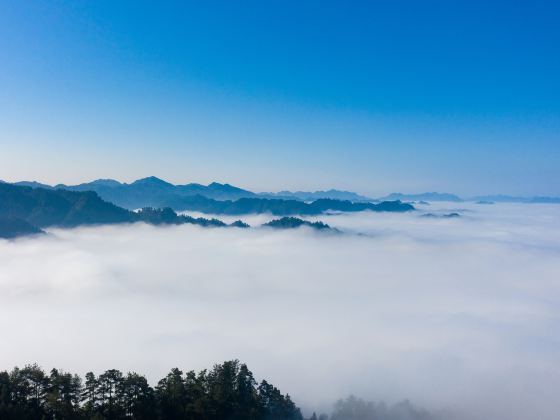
[[459, 314]]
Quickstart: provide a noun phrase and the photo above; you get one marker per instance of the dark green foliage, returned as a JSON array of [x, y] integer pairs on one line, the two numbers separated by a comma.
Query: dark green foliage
[[277, 406], [227, 392], [64, 394], [294, 222]]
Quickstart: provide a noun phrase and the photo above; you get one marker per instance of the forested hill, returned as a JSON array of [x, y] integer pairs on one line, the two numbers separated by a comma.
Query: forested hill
[[11, 227], [41, 207], [25, 210], [295, 222], [149, 192], [152, 191], [279, 207], [216, 198]]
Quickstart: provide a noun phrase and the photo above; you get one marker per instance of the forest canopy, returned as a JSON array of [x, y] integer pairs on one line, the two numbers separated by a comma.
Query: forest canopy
[[228, 391]]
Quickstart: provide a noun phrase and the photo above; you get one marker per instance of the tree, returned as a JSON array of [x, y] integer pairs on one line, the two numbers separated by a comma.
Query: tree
[[171, 395], [277, 406], [89, 395], [63, 395], [227, 392], [137, 397], [110, 385]]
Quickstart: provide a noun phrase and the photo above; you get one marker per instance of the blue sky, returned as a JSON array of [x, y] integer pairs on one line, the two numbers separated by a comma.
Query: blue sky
[[369, 96]]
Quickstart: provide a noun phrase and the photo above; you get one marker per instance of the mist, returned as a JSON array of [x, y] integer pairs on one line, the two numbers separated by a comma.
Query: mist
[[458, 315]]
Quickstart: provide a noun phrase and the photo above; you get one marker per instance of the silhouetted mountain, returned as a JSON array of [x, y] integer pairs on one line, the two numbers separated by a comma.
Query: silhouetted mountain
[[278, 207], [11, 227], [316, 195], [239, 224], [154, 192], [213, 199], [105, 182], [167, 216], [516, 199], [153, 182], [34, 208], [499, 198], [549, 200], [43, 207], [23, 210], [294, 222], [32, 184], [428, 196]]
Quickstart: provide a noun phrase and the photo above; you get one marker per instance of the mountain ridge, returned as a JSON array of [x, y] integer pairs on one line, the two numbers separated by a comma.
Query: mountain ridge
[[25, 210], [154, 191]]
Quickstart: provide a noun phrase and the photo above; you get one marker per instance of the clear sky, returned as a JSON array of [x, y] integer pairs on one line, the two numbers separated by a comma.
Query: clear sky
[[372, 96]]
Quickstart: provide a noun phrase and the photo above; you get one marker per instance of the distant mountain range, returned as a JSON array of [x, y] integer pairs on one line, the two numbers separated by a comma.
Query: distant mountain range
[[317, 195], [515, 199], [26, 209], [428, 196], [483, 199], [157, 193], [278, 207], [154, 192], [149, 191], [218, 198]]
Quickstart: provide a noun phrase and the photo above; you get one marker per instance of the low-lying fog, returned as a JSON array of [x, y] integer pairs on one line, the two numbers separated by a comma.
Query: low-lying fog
[[460, 314]]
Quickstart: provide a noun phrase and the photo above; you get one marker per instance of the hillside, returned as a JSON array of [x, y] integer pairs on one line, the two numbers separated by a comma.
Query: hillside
[[42, 207], [154, 192], [12, 228], [279, 207], [295, 222], [25, 210]]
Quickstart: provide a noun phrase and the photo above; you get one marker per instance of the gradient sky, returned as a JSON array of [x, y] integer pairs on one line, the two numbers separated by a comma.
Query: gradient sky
[[369, 96]]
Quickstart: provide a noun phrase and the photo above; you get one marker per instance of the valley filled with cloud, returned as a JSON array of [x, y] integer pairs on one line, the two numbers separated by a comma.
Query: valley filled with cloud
[[460, 315]]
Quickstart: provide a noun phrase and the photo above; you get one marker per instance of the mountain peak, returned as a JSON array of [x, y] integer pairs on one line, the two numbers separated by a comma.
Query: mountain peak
[[224, 187], [218, 185], [106, 182], [32, 184], [152, 180]]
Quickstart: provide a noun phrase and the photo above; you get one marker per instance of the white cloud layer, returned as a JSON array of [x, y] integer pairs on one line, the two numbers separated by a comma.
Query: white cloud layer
[[460, 314]]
